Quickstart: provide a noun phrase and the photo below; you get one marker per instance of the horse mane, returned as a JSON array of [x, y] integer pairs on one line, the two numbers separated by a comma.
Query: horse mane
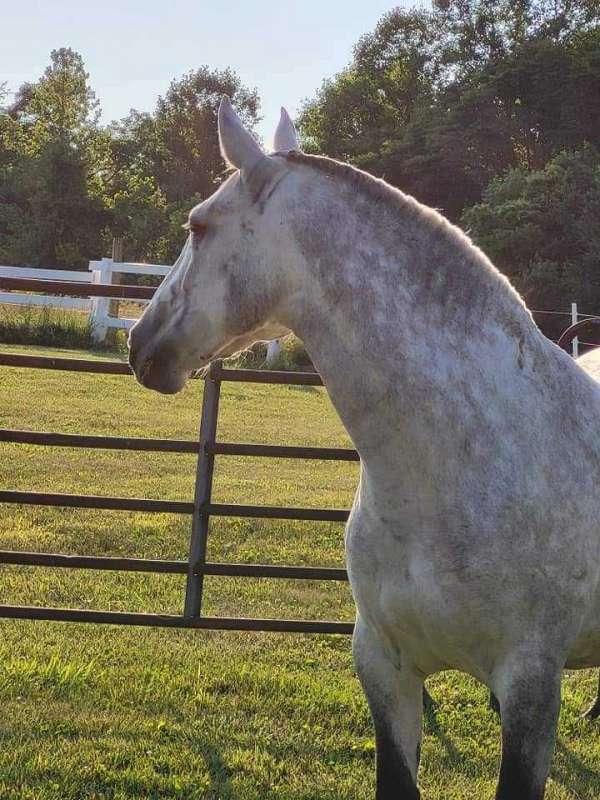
[[379, 191], [376, 188]]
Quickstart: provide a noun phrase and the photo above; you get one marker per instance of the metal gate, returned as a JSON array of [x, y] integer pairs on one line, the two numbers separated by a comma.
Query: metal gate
[[201, 509]]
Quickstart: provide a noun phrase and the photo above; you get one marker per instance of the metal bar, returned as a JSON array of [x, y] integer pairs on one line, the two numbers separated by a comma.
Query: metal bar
[[171, 506], [584, 327], [203, 490], [94, 501], [282, 451], [101, 442], [27, 559], [92, 562], [75, 289], [271, 376], [276, 512], [121, 368], [71, 364], [173, 621], [175, 445], [275, 571]]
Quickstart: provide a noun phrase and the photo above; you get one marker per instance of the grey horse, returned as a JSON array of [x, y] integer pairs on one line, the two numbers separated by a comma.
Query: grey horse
[[474, 539]]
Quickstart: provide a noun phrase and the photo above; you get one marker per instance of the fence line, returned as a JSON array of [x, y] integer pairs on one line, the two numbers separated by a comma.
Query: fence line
[[575, 318], [103, 312], [201, 510], [79, 276], [12, 298]]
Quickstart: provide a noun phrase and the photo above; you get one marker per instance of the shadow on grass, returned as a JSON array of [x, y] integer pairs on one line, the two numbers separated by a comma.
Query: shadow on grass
[[571, 773], [467, 763], [120, 780], [432, 727], [219, 772]]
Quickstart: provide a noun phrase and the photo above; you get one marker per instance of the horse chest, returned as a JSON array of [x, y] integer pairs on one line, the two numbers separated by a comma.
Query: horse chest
[[393, 591]]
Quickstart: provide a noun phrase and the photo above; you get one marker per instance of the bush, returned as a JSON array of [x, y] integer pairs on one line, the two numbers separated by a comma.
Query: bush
[[293, 356]]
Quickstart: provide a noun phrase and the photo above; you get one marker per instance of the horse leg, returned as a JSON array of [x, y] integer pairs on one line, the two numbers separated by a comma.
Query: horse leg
[[593, 711], [529, 696], [428, 701], [493, 703], [395, 697]]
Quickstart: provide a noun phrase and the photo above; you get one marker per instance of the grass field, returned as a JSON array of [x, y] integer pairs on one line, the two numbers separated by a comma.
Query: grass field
[[123, 713]]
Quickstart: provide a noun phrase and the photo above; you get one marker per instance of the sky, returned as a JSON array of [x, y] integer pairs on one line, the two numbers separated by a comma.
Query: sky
[[134, 48]]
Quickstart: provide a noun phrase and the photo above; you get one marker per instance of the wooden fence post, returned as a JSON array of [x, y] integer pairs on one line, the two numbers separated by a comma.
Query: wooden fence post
[[203, 491], [574, 319]]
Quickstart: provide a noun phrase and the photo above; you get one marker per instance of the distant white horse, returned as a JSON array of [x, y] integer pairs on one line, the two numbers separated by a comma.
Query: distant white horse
[[474, 540]]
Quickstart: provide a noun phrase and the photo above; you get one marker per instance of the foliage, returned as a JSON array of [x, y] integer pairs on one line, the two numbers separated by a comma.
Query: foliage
[[440, 102], [446, 102], [67, 185], [175, 151], [541, 229], [51, 209]]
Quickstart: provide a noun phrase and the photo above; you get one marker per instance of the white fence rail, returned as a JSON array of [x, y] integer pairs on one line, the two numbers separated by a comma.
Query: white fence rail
[[103, 311], [17, 298]]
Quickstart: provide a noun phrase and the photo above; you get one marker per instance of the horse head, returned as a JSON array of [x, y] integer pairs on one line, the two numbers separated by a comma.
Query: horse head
[[225, 289]]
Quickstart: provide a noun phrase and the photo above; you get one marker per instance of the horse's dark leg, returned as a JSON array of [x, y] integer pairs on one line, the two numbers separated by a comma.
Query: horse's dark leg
[[493, 703], [428, 701], [593, 711], [395, 697], [529, 695]]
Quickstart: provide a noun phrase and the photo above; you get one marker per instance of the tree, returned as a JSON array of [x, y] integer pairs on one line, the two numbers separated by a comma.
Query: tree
[[541, 229], [67, 185], [178, 144], [440, 102], [61, 106], [51, 207], [166, 162], [357, 112]]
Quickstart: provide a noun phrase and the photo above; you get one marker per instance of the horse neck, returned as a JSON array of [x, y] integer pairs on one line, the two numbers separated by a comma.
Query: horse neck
[[404, 318]]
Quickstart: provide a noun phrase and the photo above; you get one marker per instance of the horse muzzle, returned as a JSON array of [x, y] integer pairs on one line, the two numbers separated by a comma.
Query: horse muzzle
[[156, 368]]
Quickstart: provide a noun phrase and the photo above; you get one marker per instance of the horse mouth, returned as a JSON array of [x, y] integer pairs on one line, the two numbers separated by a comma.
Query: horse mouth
[[160, 378]]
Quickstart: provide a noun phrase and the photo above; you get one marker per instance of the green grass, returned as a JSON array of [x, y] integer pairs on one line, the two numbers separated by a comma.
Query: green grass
[[123, 713]]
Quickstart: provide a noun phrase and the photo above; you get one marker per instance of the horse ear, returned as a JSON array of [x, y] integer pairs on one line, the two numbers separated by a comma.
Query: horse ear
[[286, 137], [238, 147]]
